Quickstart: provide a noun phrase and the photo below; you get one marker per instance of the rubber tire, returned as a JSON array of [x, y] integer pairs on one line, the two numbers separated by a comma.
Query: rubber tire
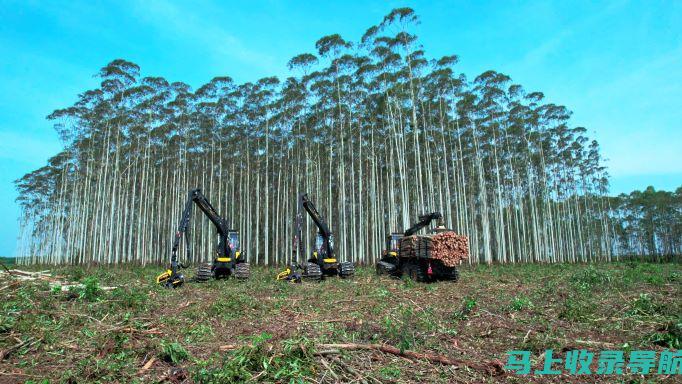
[[384, 268], [415, 272], [204, 273], [242, 271], [451, 275], [312, 271], [346, 269]]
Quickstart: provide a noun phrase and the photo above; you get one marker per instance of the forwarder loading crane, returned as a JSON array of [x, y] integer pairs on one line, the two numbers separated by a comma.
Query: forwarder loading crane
[[396, 263], [323, 260], [229, 260]]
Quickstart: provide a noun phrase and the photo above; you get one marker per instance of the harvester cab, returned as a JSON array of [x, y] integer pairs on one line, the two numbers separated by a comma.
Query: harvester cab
[[235, 244], [392, 244]]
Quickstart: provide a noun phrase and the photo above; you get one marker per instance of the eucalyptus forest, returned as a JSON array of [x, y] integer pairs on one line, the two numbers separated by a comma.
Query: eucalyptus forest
[[375, 131]]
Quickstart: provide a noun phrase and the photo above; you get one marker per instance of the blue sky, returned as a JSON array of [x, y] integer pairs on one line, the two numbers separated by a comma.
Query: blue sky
[[616, 64]]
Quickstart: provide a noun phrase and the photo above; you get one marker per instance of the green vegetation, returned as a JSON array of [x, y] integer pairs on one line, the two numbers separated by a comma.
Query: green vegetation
[[649, 222], [263, 330], [520, 303], [8, 261], [90, 291], [293, 362], [468, 305], [173, 352]]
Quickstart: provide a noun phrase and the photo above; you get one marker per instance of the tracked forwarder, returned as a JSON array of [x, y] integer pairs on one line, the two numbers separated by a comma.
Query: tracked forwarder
[[413, 256]]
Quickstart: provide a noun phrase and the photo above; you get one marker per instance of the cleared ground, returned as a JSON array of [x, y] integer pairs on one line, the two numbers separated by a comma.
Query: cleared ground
[[263, 330]]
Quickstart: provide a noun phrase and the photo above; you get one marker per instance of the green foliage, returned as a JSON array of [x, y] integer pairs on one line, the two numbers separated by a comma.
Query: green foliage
[[408, 283], [173, 352], [382, 292], [8, 261], [646, 218], [232, 307], [591, 277], [292, 363], [90, 291], [7, 323], [390, 372], [644, 305], [402, 329], [200, 332], [668, 337], [577, 308], [519, 303], [131, 298], [468, 305], [76, 273]]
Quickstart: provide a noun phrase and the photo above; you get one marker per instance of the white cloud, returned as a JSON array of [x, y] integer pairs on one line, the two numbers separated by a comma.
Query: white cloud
[[197, 28]]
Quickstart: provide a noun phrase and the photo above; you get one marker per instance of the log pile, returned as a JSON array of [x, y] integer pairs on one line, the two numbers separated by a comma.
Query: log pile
[[446, 246]]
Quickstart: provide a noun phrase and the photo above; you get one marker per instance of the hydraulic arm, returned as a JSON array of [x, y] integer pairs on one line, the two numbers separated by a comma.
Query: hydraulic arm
[[325, 238], [323, 260], [424, 221], [226, 256]]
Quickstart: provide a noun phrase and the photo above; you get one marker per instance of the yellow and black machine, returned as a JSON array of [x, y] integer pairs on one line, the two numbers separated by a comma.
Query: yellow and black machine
[[228, 261], [322, 261], [395, 263]]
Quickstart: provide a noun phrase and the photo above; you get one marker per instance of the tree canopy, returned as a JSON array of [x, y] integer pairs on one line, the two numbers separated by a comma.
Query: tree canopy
[[375, 131]]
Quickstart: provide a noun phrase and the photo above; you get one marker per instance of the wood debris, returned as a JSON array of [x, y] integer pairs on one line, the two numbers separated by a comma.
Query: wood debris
[[64, 285]]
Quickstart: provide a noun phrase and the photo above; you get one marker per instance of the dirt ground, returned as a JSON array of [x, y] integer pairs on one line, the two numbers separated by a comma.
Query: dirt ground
[[390, 330]]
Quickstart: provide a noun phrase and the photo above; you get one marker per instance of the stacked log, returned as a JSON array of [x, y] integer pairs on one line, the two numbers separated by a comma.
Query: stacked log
[[446, 246], [408, 246]]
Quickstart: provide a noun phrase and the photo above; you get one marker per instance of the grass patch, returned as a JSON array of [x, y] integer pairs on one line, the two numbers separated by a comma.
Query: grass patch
[[670, 336], [591, 277], [644, 305], [173, 352], [90, 291], [468, 305], [520, 303], [291, 361]]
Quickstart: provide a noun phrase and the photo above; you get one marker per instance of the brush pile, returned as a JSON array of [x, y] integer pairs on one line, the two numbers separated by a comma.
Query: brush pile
[[446, 246]]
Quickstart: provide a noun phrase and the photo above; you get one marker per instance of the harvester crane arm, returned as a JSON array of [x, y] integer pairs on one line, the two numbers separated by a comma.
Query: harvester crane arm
[[323, 261], [321, 224], [196, 197], [172, 277], [424, 220]]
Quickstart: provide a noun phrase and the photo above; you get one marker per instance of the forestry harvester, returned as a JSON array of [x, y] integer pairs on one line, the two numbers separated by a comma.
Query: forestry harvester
[[229, 259], [423, 258], [322, 261]]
